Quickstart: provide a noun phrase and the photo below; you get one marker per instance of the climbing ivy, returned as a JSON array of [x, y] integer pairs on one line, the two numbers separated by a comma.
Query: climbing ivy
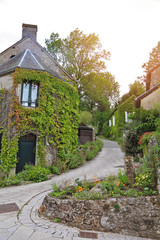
[[54, 121], [119, 114]]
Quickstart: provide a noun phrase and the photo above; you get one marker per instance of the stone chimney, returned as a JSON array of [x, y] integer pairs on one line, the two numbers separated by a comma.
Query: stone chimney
[[28, 29]]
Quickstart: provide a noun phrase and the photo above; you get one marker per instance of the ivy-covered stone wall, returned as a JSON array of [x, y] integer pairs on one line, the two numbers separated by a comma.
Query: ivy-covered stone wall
[[119, 116], [55, 121]]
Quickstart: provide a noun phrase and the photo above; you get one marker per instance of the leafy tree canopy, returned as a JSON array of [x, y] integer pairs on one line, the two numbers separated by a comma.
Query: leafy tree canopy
[[100, 89], [83, 57], [137, 88]]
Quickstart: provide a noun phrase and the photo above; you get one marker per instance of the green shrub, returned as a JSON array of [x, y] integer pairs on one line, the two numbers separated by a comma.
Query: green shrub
[[92, 148], [6, 182], [145, 179], [77, 159], [122, 176], [55, 187], [133, 193], [34, 173], [85, 195], [131, 144], [54, 169]]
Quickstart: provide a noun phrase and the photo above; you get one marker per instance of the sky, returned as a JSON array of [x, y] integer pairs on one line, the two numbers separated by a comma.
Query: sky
[[129, 29]]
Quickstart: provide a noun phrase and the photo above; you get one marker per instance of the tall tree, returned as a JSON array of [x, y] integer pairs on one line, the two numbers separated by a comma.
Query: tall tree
[[84, 58], [154, 59], [101, 89]]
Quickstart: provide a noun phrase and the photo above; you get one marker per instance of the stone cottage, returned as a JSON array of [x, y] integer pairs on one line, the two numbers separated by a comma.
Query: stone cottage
[[38, 105]]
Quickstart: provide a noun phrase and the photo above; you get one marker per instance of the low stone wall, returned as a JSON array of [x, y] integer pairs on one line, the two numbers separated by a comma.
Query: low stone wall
[[132, 216]]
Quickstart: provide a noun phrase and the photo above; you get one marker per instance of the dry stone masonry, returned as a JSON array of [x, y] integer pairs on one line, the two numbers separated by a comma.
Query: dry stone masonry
[[131, 216]]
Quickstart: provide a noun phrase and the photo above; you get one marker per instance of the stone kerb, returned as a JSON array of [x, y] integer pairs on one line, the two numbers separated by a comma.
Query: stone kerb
[[131, 216]]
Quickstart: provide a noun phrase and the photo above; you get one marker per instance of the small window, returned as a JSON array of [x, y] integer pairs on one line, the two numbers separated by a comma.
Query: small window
[[12, 56], [114, 121], [29, 95], [110, 123], [127, 117]]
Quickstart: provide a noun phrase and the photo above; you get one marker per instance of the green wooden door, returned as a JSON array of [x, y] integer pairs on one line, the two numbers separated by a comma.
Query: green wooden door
[[26, 153]]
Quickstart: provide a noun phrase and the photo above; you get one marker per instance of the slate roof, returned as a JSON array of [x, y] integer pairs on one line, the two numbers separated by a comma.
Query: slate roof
[[12, 65], [25, 59]]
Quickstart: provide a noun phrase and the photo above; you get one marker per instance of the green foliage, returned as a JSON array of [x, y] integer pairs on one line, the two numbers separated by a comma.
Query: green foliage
[[83, 57], [137, 88], [6, 182], [85, 195], [78, 182], [60, 195], [119, 114], [72, 48], [131, 144], [8, 153], [143, 141], [122, 176], [133, 192], [92, 148], [55, 120], [99, 118], [145, 121], [55, 187], [34, 173], [110, 186], [148, 191], [74, 158], [77, 159], [99, 89], [145, 179], [117, 207], [54, 169], [57, 220], [85, 117]]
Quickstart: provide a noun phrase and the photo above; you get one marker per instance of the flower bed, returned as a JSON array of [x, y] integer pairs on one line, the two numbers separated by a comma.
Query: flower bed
[[108, 205]]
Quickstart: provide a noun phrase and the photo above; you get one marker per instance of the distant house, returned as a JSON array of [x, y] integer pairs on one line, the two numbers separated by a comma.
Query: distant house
[[120, 116], [38, 105], [151, 97]]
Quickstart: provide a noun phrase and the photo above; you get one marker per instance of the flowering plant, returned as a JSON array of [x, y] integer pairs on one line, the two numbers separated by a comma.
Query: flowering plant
[[79, 189]]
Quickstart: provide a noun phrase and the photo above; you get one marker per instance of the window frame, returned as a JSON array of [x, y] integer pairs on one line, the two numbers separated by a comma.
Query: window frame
[[29, 102]]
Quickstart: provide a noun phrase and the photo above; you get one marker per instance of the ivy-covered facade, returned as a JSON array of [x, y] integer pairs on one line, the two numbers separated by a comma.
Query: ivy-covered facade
[[120, 116], [38, 106]]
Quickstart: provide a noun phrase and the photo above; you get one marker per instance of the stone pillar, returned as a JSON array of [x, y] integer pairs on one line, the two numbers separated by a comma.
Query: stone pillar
[[130, 169]]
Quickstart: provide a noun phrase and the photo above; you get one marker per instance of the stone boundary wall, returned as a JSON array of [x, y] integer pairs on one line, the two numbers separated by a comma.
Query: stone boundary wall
[[131, 216]]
